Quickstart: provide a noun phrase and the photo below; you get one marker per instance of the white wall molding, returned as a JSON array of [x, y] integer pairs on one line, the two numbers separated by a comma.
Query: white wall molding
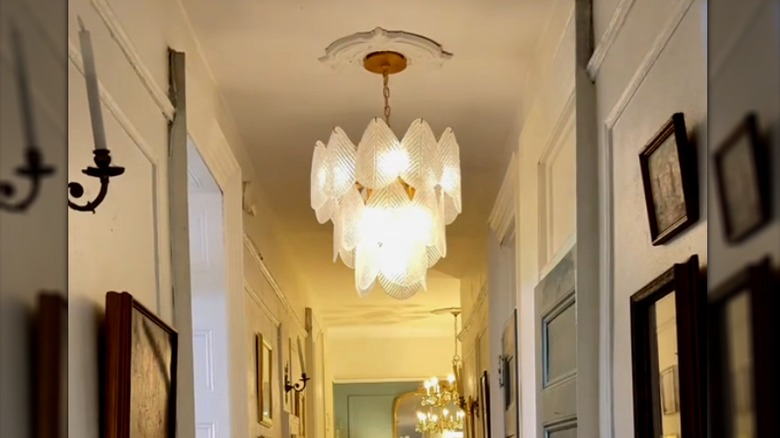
[[501, 219], [647, 63], [119, 35], [476, 311], [74, 55], [606, 312], [256, 297], [249, 244], [553, 145], [609, 37]]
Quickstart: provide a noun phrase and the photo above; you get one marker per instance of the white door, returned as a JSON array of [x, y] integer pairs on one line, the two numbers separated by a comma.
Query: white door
[[556, 322], [209, 300]]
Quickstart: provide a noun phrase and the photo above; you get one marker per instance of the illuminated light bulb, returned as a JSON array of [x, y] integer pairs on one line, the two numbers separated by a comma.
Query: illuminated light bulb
[[451, 378]]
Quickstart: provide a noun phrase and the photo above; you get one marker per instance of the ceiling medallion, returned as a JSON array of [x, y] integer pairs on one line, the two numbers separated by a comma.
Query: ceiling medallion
[[389, 199], [422, 54]]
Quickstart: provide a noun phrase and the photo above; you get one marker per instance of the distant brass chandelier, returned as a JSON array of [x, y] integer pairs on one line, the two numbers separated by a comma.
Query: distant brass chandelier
[[444, 405], [389, 199]]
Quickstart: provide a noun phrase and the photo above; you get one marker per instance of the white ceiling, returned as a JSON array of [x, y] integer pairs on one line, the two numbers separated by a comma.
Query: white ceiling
[[264, 56]]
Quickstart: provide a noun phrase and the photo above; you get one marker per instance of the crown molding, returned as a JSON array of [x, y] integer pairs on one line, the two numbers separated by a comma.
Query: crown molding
[[501, 219]]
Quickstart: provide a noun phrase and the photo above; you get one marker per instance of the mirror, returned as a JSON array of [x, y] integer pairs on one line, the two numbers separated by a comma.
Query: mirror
[[743, 343], [405, 408], [666, 325]]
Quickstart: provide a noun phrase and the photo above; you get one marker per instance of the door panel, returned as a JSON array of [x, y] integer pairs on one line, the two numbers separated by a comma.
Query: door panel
[[556, 333]]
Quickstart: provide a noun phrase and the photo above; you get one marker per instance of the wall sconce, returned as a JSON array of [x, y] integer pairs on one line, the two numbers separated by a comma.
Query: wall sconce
[[502, 362], [33, 169], [103, 169], [298, 386]]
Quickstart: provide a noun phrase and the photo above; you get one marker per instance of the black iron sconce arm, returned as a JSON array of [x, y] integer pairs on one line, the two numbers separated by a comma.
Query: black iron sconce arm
[[34, 170], [103, 170], [298, 386]]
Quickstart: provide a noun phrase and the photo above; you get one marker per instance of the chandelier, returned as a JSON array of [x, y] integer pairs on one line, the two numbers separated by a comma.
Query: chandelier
[[444, 405], [389, 199]]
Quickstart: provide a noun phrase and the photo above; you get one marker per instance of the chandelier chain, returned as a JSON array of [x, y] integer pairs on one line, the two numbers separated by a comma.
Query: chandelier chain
[[386, 92]]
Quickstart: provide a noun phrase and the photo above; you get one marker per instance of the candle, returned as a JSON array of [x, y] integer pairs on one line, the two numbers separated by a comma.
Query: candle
[[24, 89], [300, 356], [93, 94]]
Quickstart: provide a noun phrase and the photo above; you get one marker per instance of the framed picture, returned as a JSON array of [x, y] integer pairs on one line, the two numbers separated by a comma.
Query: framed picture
[[670, 180], [669, 393], [509, 375], [667, 325], [484, 404], [264, 370], [140, 373], [742, 175], [51, 353], [744, 339]]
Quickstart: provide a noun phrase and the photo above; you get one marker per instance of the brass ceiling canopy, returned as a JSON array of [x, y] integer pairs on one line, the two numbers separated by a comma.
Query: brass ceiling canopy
[[389, 62]]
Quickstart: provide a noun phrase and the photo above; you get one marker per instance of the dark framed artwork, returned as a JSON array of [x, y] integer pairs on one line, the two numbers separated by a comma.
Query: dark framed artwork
[[140, 374], [743, 353], [670, 180], [484, 404], [742, 176], [263, 373], [51, 361], [508, 378], [667, 325]]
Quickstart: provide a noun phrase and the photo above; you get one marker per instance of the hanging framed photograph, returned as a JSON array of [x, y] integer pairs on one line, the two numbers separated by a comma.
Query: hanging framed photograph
[[508, 378], [140, 373], [667, 325], [670, 180], [742, 176], [264, 371], [743, 344], [669, 393]]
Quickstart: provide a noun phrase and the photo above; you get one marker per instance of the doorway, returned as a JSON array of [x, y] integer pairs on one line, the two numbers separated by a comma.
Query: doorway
[[208, 284]]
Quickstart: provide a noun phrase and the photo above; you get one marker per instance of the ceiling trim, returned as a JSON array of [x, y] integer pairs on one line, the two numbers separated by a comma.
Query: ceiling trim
[[502, 218]]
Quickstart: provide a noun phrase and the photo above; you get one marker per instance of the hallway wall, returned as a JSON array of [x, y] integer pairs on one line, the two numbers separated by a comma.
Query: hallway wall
[[125, 245], [651, 62], [736, 86]]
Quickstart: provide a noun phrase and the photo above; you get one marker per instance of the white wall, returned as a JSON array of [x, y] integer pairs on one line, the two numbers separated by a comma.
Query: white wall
[[125, 246], [388, 358], [653, 64]]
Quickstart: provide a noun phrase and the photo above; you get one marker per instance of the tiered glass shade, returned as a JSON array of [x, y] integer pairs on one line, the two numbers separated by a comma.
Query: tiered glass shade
[[389, 201]]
